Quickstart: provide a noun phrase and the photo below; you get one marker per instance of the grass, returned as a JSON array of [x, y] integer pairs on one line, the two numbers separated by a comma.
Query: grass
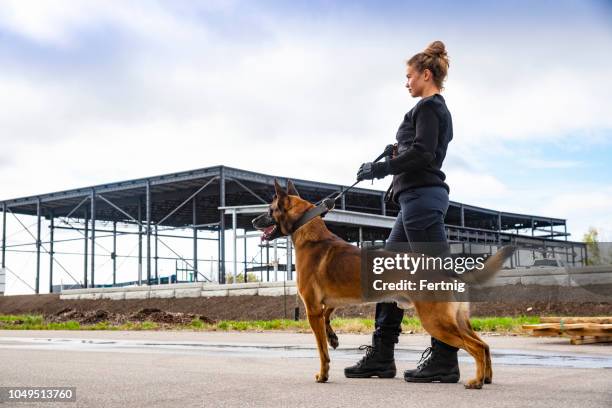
[[341, 325], [34, 322]]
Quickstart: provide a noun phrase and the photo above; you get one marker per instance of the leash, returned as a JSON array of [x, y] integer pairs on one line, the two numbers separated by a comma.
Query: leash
[[328, 203]]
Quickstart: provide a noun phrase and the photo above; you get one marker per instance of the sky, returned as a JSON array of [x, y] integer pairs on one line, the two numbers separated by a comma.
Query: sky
[[101, 91]]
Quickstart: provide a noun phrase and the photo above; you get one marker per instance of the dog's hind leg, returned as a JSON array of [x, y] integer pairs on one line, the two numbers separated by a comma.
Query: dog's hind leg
[[469, 331], [489, 368], [442, 321], [476, 348], [332, 338], [317, 324]]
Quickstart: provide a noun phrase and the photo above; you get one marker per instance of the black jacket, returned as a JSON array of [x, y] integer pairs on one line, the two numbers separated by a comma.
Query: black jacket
[[422, 139]]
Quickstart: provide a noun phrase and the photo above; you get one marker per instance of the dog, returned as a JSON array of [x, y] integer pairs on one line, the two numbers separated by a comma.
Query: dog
[[329, 276]]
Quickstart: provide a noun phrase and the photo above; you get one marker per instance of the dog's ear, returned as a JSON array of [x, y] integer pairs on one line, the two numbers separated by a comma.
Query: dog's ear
[[291, 190], [279, 190]]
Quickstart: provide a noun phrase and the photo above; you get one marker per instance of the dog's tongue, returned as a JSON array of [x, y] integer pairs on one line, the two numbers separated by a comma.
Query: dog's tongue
[[266, 232]]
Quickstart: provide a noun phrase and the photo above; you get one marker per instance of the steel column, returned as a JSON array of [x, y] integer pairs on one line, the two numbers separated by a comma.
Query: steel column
[[235, 259], [462, 209], [267, 262], [195, 238], [289, 258], [114, 254], [499, 228], [383, 205], [148, 214], [552, 234], [4, 235], [275, 261], [360, 237], [86, 235], [139, 241], [51, 251], [156, 257], [93, 238], [221, 226], [245, 257], [38, 209]]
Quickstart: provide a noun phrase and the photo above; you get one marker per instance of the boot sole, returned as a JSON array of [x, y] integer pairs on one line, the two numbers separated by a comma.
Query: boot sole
[[436, 378], [379, 374]]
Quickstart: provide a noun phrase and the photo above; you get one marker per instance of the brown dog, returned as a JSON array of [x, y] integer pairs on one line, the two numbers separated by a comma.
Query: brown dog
[[329, 275]]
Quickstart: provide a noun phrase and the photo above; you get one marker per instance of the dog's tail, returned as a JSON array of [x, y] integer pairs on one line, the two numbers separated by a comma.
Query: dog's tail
[[491, 266]]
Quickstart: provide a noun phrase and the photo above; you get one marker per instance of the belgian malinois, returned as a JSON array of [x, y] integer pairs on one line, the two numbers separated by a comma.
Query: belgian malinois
[[329, 276]]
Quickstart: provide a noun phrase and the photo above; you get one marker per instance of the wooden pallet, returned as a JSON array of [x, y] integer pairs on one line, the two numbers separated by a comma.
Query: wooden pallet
[[581, 330], [602, 320]]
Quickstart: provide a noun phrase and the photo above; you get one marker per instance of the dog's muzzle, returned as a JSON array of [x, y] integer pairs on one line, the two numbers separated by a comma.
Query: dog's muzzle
[[265, 223]]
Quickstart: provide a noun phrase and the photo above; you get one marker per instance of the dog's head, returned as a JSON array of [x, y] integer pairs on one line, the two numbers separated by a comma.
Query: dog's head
[[285, 210]]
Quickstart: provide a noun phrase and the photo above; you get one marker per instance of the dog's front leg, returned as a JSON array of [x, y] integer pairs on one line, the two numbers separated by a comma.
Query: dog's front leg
[[317, 324]]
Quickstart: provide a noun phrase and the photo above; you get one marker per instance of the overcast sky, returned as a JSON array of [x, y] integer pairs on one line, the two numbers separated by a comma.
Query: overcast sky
[[101, 91]]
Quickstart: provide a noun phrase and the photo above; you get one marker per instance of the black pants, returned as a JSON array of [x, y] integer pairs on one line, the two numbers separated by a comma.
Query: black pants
[[420, 223]]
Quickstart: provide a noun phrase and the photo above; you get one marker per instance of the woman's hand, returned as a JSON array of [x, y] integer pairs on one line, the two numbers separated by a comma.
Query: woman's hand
[[370, 171]]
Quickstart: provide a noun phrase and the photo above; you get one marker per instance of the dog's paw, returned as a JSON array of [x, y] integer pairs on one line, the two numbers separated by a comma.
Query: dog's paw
[[473, 384], [320, 378], [333, 341], [488, 380]]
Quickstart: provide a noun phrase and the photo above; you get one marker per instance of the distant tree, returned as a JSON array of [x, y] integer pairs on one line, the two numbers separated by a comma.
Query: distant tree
[[591, 239], [251, 277]]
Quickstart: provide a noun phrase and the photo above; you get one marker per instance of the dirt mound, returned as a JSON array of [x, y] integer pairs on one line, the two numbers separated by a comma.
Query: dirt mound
[[155, 315], [160, 316], [83, 317], [278, 307]]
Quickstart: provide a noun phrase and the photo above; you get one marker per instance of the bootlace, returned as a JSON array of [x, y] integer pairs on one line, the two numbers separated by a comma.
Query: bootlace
[[425, 358], [369, 351]]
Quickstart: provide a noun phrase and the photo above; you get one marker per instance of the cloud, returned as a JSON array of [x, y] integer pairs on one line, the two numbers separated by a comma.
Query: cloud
[[551, 164], [172, 86]]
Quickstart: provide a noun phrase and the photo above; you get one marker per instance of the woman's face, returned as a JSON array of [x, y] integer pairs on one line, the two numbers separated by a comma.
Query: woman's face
[[417, 81]]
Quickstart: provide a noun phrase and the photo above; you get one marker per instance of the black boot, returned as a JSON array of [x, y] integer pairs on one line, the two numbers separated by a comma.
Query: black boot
[[377, 362], [438, 363]]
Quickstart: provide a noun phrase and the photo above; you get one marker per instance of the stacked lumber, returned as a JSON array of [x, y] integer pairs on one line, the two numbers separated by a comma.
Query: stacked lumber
[[581, 330]]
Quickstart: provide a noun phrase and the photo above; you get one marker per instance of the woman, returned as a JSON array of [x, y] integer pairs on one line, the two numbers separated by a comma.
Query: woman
[[420, 191]]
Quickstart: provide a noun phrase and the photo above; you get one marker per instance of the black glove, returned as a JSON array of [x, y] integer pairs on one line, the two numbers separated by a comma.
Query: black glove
[[389, 150], [370, 171]]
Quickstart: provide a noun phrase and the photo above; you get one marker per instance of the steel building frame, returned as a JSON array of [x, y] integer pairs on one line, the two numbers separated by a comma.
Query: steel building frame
[[207, 199]]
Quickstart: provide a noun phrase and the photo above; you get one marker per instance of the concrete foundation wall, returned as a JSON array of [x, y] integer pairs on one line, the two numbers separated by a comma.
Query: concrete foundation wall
[[181, 290], [591, 275]]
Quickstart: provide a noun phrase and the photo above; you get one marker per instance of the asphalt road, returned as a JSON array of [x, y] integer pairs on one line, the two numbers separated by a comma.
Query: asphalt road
[[220, 369]]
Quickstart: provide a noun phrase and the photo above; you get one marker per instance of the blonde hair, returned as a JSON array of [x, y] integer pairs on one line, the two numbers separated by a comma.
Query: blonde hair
[[433, 58]]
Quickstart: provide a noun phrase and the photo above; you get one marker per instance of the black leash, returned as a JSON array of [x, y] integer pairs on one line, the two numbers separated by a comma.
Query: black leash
[[328, 203]]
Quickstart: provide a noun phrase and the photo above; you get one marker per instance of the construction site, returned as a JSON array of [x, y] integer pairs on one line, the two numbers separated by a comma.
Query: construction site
[[201, 221]]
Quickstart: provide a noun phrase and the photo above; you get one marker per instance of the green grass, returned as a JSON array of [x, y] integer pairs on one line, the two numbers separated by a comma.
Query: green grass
[[261, 325], [341, 325], [502, 324]]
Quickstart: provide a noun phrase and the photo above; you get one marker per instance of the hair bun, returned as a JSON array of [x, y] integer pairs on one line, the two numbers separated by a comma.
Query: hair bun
[[436, 49]]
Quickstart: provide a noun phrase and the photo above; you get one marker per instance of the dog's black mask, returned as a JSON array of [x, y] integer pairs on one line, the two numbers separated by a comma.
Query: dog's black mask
[[266, 223]]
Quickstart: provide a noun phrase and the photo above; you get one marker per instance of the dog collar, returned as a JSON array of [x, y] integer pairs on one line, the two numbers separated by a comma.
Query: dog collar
[[320, 210]]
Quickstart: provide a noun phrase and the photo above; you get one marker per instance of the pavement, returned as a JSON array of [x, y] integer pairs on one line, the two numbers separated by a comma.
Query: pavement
[[276, 369]]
